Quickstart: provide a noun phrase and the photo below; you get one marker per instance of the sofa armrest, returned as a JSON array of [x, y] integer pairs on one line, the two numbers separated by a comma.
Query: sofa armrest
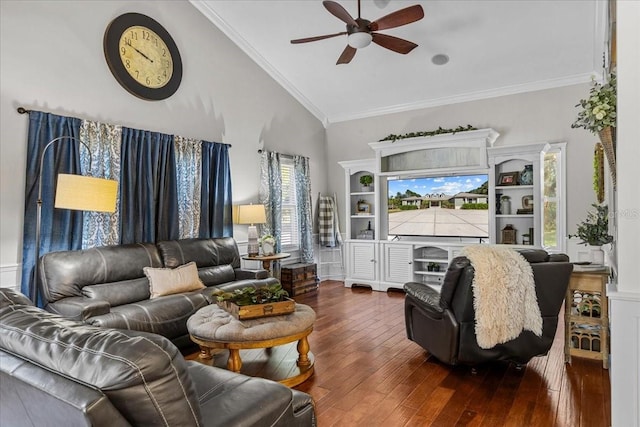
[[245, 273], [79, 308]]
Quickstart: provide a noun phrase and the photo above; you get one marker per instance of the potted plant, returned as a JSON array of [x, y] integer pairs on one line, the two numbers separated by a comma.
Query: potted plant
[[594, 231], [366, 181], [598, 115], [251, 302]]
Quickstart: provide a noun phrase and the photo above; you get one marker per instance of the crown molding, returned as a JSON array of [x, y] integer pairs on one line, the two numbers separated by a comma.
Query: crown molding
[[467, 97]]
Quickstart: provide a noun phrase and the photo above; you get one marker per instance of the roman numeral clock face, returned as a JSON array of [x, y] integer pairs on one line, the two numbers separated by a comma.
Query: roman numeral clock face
[[142, 56]]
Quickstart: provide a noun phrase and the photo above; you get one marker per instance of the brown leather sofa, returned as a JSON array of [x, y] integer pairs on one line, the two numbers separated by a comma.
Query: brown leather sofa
[[60, 372], [443, 323], [107, 287]]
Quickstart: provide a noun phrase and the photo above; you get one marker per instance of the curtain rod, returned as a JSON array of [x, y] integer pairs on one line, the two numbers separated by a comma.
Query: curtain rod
[[287, 156], [23, 110]]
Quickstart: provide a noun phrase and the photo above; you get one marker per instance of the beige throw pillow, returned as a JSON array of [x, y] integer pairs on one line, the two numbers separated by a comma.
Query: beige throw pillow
[[167, 281]]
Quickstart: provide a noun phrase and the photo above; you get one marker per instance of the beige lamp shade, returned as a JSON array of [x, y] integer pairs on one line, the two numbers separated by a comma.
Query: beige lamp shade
[[85, 193], [249, 214]]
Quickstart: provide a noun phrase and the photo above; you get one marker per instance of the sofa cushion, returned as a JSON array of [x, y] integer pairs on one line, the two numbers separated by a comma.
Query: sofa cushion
[[143, 375], [119, 293], [204, 252], [166, 315], [167, 281]]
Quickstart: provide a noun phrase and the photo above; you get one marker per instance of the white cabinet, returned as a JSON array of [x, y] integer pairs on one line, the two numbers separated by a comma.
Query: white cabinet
[[362, 264], [397, 263]]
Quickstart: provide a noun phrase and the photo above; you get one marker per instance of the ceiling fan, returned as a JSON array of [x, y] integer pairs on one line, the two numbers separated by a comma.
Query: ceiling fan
[[361, 32]]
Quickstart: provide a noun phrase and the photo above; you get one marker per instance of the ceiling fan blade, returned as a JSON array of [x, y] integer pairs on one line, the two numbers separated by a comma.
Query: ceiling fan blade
[[339, 12], [399, 17], [316, 38], [347, 55], [393, 43]]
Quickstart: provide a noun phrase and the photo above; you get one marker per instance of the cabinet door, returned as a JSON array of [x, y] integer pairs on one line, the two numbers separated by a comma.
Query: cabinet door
[[362, 260], [398, 263]]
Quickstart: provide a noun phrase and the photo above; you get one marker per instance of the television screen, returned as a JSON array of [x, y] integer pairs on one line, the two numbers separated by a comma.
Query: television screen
[[439, 206]]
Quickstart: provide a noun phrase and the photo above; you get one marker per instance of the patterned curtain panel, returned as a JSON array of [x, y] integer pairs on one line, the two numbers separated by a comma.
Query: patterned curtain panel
[[216, 218], [305, 222], [62, 227], [148, 188], [270, 194], [167, 189], [188, 175], [104, 141]]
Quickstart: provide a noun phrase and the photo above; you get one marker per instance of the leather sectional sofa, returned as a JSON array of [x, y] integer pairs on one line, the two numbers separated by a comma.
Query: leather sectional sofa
[[107, 286], [60, 372]]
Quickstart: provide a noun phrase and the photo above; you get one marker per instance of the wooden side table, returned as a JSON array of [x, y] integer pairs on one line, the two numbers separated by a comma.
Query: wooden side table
[[587, 315], [267, 259]]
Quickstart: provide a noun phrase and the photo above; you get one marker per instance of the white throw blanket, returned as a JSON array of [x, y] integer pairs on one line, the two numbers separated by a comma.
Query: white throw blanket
[[504, 294]]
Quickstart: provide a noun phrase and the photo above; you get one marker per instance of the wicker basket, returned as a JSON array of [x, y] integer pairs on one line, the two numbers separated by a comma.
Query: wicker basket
[[608, 140]]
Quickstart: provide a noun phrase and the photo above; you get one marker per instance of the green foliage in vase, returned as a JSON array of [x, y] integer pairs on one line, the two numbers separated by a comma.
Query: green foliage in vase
[[599, 110], [250, 295], [594, 230]]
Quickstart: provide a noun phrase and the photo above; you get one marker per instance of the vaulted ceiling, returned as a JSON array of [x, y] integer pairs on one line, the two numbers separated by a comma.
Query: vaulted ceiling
[[494, 48]]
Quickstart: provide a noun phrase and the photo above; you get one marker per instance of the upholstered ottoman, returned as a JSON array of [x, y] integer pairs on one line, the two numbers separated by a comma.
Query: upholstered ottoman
[[211, 327]]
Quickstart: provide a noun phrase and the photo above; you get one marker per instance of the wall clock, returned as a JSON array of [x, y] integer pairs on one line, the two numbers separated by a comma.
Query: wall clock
[[142, 56]]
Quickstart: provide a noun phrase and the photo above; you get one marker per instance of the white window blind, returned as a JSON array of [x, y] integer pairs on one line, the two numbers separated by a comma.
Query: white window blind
[[290, 237]]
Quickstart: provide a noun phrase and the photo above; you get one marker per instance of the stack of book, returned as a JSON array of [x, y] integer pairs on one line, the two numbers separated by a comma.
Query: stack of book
[[525, 211]]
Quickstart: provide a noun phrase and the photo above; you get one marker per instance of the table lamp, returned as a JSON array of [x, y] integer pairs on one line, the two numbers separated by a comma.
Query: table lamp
[[251, 214]]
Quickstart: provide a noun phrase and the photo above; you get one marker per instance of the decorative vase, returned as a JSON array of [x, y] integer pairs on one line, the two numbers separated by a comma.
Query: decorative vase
[[505, 207], [526, 176], [608, 140], [596, 255], [367, 189]]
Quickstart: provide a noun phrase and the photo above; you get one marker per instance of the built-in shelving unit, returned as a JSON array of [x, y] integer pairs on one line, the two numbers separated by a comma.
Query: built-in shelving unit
[[373, 260]]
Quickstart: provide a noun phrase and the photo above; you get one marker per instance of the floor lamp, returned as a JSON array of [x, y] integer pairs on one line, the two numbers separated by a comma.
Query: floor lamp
[[74, 192], [251, 214]]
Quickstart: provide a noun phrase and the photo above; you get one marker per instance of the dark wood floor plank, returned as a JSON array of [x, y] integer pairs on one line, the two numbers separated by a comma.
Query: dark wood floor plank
[[367, 373]]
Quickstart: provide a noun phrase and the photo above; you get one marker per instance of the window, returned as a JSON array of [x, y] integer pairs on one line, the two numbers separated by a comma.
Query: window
[[290, 236], [553, 212]]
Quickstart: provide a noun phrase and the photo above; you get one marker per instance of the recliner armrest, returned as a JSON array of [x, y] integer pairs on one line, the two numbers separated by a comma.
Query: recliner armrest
[[244, 273], [79, 308], [425, 295]]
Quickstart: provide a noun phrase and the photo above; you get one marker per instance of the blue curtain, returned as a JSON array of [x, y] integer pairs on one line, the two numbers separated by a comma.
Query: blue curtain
[[148, 187], [216, 213], [61, 228], [271, 194], [302, 179]]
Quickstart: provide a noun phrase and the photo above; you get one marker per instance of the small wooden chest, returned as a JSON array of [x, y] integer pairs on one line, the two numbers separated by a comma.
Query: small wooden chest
[[299, 278]]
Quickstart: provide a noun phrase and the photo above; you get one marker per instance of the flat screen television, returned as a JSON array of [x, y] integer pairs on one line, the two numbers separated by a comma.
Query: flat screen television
[[453, 206]]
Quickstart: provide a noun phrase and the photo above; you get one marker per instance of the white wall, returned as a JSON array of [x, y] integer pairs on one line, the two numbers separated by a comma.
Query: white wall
[[624, 296], [520, 119], [52, 60]]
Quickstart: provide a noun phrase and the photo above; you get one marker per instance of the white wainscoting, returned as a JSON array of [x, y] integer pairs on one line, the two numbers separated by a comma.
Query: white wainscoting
[[624, 317], [10, 276]]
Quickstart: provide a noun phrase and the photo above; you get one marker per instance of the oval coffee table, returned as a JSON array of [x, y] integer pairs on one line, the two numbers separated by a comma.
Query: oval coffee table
[[211, 327]]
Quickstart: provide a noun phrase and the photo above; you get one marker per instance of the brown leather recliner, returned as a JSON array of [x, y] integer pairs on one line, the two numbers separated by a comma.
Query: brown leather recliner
[[444, 323]]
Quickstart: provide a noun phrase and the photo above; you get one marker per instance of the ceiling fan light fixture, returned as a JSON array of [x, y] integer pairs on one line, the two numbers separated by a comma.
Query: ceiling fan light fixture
[[359, 40]]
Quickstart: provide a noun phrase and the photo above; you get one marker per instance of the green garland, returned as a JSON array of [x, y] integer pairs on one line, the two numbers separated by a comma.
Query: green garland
[[439, 131]]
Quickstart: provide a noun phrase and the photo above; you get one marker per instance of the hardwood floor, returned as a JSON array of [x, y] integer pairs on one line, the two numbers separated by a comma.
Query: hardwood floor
[[367, 373]]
